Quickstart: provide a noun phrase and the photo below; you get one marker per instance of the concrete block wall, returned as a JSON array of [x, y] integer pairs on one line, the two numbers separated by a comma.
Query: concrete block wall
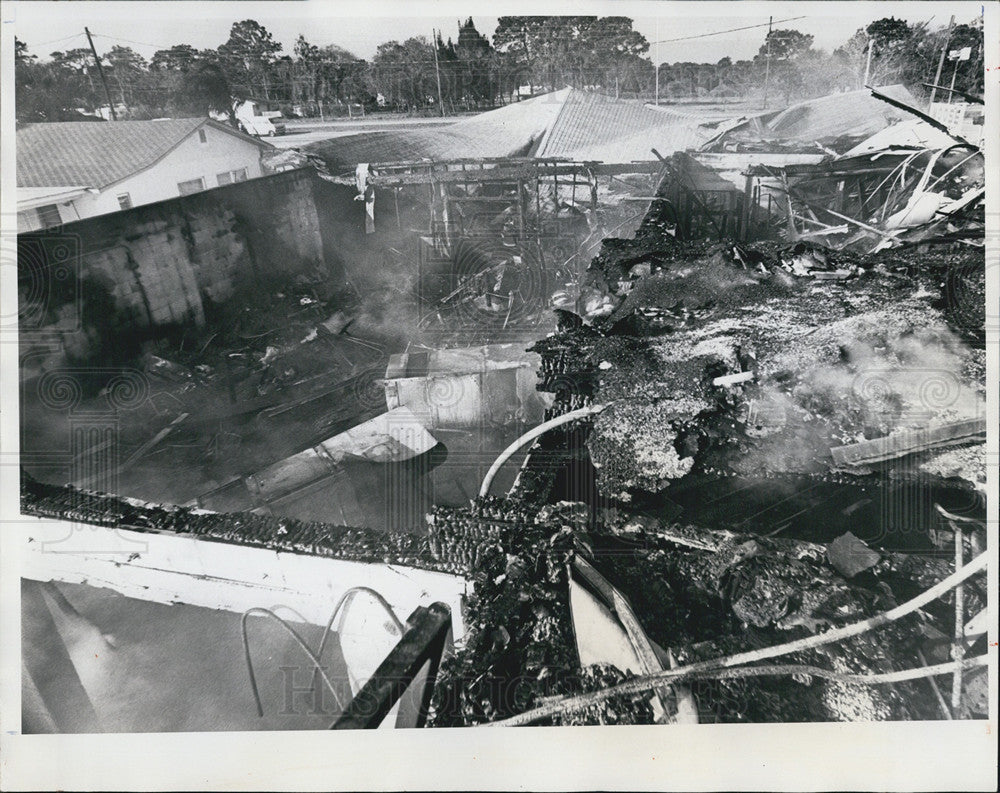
[[162, 262]]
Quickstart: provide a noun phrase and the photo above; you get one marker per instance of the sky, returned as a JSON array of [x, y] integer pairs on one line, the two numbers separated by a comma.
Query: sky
[[149, 26]]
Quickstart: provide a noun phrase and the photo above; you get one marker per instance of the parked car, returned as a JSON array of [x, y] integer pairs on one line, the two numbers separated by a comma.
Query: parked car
[[255, 121], [277, 121]]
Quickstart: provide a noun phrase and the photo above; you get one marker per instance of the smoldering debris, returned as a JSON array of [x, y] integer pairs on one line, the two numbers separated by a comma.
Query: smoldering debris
[[765, 415], [698, 349], [704, 597]]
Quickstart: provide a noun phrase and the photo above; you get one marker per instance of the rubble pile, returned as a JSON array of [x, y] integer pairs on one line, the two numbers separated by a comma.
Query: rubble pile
[[739, 359], [520, 643], [702, 594], [844, 347]]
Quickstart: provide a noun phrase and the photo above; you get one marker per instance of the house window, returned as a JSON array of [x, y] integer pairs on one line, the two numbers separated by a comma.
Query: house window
[[27, 220], [191, 186], [125, 201], [228, 177], [202, 136], [48, 215]]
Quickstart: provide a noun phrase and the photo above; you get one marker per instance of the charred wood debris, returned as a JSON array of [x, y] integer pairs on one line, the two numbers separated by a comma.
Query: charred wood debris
[[856, 362]]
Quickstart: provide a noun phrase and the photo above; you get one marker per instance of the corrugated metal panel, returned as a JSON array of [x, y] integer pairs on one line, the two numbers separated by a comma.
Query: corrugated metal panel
[[666, 139]]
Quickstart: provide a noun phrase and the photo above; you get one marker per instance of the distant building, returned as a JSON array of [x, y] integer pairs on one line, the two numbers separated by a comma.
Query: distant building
[[74, 170], [963, 118], [104, 111]]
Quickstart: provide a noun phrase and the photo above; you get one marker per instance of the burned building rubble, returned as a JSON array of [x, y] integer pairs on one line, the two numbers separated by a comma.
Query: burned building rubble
[[750, 392]]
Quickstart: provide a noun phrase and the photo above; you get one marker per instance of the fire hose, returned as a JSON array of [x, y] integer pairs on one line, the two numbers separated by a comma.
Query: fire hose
[[721, 667], [529, 436]]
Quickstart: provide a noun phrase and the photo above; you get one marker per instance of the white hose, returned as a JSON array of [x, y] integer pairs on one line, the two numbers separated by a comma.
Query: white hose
[[529, 436], [647, 682]]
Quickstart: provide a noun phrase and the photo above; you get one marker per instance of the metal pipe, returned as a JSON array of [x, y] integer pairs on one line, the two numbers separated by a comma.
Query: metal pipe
[[958, 652]]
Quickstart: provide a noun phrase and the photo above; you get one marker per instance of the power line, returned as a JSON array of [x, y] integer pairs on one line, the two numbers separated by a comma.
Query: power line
[[131, 41], [730, 30], [55, 41]]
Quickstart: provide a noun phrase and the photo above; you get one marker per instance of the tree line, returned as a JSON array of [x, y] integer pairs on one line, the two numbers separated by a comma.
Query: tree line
[[527, 54]]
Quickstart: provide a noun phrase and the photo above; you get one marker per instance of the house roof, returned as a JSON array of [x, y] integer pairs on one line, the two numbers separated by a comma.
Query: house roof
[[100, 154], [587, 121], [28, 197], [567, 123], [505, 132], [580, 125]]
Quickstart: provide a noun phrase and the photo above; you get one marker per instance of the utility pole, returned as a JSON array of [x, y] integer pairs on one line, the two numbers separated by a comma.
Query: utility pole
[[656, 89], [868, 62], [437, 69], [767, 60], [100, 71], [944, 51]]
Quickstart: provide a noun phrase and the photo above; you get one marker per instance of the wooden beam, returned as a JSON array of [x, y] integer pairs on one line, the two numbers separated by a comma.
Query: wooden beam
[[900, 444], [222, 574], [423, 642], [505, 173], [138, 453]]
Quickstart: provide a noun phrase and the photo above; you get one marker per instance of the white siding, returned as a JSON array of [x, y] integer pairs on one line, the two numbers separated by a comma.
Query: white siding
[[191, 160]]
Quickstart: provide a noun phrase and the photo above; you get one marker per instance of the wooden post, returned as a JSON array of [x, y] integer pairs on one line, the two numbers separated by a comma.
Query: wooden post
[[744, 233], [522, 219], [944, 51], [793, 232], [437, 70], [423, 643], [954, 74]]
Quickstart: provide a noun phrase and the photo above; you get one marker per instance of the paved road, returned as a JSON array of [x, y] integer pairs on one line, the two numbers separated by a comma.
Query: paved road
[[301, 133]]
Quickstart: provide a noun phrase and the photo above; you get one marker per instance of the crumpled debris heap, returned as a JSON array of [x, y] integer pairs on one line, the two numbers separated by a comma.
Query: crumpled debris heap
[[720, 357]]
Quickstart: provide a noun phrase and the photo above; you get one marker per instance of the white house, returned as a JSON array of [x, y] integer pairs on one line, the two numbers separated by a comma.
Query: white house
[[77, 169]]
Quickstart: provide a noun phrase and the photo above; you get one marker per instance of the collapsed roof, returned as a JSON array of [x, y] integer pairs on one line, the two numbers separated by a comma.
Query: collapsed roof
[[505, 132], [569, 123], [852, 115]]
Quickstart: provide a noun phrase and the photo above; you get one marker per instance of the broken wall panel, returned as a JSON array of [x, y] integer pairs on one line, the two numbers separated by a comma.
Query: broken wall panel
[[466, 387]]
